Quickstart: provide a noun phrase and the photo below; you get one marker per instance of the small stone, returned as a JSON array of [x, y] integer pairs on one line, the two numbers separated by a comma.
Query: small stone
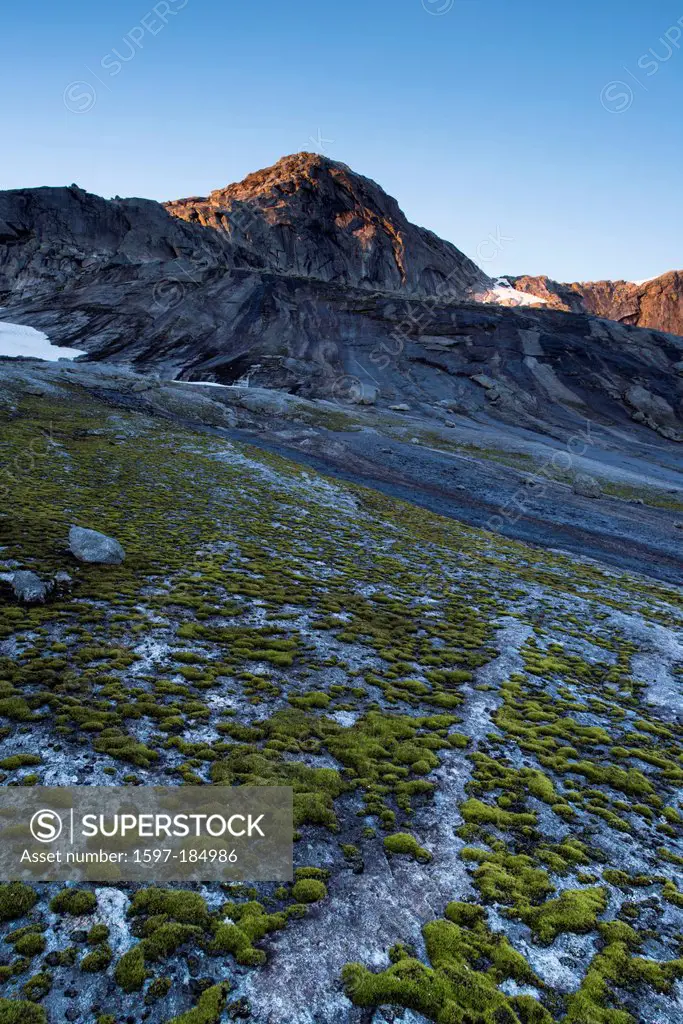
[[94, 547], [193, 965], [586, 486], [367, 395], [240, 1009], [29, 588], [199, 985], [401, 407]]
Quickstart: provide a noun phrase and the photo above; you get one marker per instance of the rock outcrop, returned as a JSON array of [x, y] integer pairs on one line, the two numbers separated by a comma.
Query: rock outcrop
[[657, 304]]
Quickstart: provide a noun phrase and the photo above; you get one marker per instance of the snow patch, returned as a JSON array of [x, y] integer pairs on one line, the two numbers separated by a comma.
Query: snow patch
[[206, 384], [646, 280], [18, 340], [503, 294]]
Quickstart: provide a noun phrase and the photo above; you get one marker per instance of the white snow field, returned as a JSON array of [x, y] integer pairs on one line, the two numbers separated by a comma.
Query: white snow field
[[18, 340]]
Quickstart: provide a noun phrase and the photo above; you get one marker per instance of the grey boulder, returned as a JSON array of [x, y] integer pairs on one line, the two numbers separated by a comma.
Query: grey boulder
[[29, 588], [91, 546], [587, 486]]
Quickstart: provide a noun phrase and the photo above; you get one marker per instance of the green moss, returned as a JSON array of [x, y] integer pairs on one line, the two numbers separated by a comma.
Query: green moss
[[16, 709], [507, 878], [209, 1008], [250, 923], [97, 934], [229, 938], [73, 901], [672, 895], [417, 595], [182, 905], [468, 964], [404, 843], [98, 960], [616, 967], [38, 986], [10, 764], [312, 699], [130, 972], [309, 890], [157, 989], [16, 1011], [30, 944], [167, 939], [476, 812], [64, 957], [321, 874], [16, 899], [576, 910]]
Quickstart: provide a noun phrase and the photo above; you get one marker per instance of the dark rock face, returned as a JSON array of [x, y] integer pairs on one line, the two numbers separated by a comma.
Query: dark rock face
[[309, 279], [55, 237], [316, 218], [657, 304]]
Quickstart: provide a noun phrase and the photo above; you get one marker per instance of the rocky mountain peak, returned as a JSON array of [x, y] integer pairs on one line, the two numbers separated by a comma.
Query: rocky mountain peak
[[309, 171], [315, 217]]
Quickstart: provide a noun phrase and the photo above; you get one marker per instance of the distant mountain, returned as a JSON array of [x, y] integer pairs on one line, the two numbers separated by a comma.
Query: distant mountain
[[308, 278], [316, 218], [657, 303]]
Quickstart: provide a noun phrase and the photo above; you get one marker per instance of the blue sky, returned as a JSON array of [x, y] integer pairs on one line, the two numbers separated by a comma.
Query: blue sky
[[495, 124]]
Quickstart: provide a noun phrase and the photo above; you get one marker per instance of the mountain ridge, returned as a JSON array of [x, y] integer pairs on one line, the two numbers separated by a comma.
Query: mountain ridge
[[656, 303], [322, 288]]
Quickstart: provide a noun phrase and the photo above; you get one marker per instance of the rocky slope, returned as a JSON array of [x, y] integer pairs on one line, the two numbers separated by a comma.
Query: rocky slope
[[657, 304], [589, 488], [484, 739]]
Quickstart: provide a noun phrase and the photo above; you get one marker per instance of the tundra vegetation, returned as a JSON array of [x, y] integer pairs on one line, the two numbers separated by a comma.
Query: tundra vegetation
[[270, 627]]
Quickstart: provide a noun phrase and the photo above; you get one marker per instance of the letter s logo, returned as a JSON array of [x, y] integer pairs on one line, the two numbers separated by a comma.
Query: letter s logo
[[46, 826], [79, 97], [617, 97]]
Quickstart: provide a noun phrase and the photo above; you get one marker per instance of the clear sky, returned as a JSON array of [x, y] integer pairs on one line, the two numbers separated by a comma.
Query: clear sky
[[496, 124]]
